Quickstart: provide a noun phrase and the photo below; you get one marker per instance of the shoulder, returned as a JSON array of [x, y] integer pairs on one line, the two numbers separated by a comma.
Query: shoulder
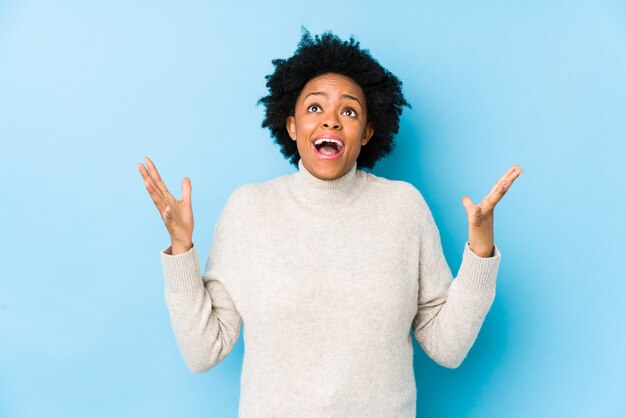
[[254, 195], [399, 191], [240, 198], [404, 199]]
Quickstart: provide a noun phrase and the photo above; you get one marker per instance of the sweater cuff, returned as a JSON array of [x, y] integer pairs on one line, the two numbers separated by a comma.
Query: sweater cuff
[[478, 273], [181, 271]]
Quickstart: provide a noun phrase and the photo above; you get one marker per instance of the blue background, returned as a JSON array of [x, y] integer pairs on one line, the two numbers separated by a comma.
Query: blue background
[[88, 88]]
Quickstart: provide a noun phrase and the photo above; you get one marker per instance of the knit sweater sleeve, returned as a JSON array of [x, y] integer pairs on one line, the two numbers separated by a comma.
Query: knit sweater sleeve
[[202, 313], [450, 312]]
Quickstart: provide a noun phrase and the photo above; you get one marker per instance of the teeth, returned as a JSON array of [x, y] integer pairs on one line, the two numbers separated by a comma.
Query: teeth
[[339, 144]]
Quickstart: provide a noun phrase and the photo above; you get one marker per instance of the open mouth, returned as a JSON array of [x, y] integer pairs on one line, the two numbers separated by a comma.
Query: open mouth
[[328, 146]]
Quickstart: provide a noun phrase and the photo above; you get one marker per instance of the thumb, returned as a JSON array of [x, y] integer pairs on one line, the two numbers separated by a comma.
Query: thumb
[[469, 205], [186, 190]]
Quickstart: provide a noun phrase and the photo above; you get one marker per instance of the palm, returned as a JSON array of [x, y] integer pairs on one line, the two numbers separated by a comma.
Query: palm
[[176, 214], [480, 216], [182, 216]]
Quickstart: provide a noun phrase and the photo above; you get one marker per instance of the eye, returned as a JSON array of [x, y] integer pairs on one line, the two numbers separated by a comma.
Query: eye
[[350, 112], [314, 108]]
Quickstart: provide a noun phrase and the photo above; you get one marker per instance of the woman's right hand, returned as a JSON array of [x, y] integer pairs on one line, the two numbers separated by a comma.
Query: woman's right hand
[[176, 214]]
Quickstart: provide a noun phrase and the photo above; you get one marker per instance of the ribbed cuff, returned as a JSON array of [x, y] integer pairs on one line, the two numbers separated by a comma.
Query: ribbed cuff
[[478, 273], [181, 272]]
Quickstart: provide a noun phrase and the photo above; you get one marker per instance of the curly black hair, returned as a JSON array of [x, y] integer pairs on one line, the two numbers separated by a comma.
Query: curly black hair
[[329, 54]]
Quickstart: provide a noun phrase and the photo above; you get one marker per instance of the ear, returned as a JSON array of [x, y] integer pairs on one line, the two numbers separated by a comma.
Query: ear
[[290, 124], [367, 133]]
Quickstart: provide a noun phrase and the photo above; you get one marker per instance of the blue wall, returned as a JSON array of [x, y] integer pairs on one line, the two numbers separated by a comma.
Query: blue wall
[[88, 88]]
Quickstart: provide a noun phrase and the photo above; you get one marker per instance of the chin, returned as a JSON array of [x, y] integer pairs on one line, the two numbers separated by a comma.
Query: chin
[[329, 173]]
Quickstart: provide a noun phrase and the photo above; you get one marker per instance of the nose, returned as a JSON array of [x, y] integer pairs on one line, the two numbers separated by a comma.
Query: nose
[[331, 122]]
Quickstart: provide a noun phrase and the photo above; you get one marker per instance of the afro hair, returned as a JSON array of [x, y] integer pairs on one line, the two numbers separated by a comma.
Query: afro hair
[[329, 54]]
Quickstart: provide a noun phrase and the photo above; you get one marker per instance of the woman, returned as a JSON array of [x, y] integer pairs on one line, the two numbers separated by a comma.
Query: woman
[[331, 268]]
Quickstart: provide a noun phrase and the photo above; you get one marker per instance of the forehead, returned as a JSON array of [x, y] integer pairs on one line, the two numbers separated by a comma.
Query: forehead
[[333, 83]]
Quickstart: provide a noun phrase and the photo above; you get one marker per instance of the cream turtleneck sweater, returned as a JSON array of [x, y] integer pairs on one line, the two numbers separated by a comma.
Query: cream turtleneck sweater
[[331, 278]]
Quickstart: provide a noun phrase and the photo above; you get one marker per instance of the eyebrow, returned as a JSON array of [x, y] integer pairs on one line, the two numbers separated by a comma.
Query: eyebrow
[[343, 96]]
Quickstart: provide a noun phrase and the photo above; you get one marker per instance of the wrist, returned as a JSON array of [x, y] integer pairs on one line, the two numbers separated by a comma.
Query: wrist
[[483, 251], [181, 248]]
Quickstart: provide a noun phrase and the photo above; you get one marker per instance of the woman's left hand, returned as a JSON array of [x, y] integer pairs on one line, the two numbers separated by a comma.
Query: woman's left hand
[[480, 216]]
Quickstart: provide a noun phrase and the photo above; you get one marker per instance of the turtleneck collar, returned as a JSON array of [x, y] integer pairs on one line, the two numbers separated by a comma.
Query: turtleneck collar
[[318, 193]]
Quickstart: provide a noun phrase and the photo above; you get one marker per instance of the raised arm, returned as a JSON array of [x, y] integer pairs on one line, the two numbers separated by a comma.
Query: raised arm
[[203, 315], [451, 313]]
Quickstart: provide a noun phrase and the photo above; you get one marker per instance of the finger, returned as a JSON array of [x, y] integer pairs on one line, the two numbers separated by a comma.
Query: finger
[[149, 182], [156, 198], [501, 187], [470, 207], [514, 175], [474, 212], [505, 184], [467, 202], [491, 200], [186, 190], [155, 175], [510, 170], [497, 191], [506, 176]]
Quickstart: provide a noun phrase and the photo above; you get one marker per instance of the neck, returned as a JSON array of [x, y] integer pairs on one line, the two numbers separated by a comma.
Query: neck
[[317, 193]]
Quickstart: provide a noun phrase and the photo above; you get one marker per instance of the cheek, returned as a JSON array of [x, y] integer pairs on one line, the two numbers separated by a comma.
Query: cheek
[[358, 130], [305, 125]]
